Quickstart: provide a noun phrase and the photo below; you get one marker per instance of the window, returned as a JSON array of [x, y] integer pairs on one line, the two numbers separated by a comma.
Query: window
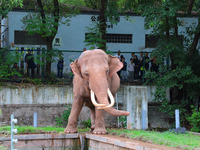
[[115, 38], [22, 37], [119, 38], [150, 41]]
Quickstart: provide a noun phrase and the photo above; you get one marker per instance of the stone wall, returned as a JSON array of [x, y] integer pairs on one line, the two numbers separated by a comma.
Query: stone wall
[[50, 101]]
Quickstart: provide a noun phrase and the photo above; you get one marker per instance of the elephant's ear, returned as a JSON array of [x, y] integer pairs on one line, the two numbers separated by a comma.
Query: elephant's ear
[[75, 68], [114, 65]]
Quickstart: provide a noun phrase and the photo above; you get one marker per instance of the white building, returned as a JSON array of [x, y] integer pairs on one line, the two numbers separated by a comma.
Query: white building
[[127, 36]]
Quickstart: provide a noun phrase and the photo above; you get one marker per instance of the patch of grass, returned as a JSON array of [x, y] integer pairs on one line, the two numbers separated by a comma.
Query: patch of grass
[[84, 129], [32, 130], [186, 141], [2, 147]]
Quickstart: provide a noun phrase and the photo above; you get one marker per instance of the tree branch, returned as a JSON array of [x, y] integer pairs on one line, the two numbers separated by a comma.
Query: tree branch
[[191, 3], [41, 8], [56, 14], [195, 40]]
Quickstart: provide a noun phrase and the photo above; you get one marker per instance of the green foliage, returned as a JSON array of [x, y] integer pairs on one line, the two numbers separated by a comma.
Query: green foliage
[[109, 52], [30, 129], [183, 141], [2, 147], [181, 75], [7, 5], [7, 60], [34, 81], [93, 38], [63, 120], [194, 120], [123, 121], [87, 123]]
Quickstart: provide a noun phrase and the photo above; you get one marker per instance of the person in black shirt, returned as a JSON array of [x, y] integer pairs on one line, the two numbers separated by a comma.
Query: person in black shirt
[[60, 66], [136, 68], [30, 65]]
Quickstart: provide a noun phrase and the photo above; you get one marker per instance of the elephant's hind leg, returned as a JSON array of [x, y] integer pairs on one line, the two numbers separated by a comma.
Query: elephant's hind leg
[[92, 111], [75, 111]]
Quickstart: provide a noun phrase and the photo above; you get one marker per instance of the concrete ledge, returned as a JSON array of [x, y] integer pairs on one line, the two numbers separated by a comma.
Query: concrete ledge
[[96, 142], [42, 137], [124, 143]]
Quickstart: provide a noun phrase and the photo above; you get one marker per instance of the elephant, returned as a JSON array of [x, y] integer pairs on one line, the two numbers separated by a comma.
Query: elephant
[[95, 77]]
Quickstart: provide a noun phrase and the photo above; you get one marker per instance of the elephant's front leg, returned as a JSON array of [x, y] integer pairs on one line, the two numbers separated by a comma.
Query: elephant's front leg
[[99, 122], [75, 111]]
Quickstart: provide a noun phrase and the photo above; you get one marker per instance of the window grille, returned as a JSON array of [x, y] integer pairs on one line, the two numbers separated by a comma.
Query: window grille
[[115, 38]]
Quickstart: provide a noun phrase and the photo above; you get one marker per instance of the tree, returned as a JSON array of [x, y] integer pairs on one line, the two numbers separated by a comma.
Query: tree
[[182, 76], [7, 5], [108, 10], [6, 59], [45, 21]]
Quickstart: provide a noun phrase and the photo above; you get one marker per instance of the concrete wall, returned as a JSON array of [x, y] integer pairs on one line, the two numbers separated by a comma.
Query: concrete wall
[[50, 102]]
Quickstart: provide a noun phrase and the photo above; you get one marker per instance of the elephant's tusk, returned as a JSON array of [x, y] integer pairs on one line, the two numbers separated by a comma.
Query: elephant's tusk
[[112, 101], [94, 101]]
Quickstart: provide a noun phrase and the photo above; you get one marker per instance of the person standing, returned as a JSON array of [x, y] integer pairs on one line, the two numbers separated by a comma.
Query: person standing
[[119, 56], [132, 55], [60, 66], [30, 65], [124, 68], [84, 49], [131, 66], [147, 60], [136, 68]]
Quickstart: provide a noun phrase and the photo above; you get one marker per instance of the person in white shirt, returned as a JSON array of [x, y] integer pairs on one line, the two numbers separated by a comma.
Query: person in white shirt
[[131, 66], [118, 54]]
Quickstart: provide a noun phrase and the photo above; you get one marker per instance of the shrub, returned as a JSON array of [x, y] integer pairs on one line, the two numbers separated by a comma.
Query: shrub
[[123, 121], [86, 124], [64, 118], [194, 120], [180, 130]]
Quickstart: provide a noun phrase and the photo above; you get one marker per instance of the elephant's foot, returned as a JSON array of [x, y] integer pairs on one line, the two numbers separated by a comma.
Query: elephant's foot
[[92, 128], [99, 131], [69, 130]]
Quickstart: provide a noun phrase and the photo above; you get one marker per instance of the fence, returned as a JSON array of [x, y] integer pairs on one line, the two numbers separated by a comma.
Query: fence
[[69, 55]]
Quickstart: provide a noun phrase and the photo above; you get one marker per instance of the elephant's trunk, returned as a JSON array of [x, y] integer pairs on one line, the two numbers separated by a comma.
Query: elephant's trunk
[[116, 112]]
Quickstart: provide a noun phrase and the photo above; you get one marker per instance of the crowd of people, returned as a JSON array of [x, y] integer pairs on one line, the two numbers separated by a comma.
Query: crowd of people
[[136, 67], [131, 71]]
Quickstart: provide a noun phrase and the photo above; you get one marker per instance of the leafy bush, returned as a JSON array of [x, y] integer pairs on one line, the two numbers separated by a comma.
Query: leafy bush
[[123, 121], [63, 120], [7, 60], [87, 124], [180, 130], [194, 120]]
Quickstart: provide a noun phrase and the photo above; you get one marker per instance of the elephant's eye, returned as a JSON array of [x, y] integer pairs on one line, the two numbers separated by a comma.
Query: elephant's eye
[[107, 71], [86, 74]]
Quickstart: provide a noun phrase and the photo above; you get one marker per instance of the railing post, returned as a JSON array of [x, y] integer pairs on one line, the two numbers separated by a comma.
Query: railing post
[[177, 118], [13, 131], [35, 119]]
